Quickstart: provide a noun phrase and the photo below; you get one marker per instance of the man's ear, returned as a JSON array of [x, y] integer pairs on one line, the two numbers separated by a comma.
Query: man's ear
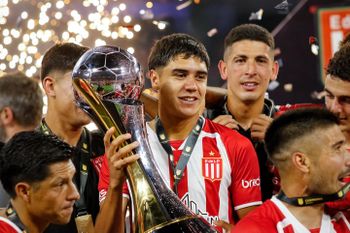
[[154, 77], [223, 69], [275, 69], [48, 85], [6, 115], [23, 191], [301, 161]]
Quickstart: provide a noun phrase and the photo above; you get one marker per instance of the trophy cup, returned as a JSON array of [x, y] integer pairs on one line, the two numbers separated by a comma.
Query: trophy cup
[[108, 83]]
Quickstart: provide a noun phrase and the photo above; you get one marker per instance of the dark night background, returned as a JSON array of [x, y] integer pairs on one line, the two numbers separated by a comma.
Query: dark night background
[[292, 28]]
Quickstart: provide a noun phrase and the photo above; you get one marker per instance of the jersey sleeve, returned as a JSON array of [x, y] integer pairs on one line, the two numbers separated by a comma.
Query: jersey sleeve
[[103, 182], [6, 226], [245, 189], [248, 225]]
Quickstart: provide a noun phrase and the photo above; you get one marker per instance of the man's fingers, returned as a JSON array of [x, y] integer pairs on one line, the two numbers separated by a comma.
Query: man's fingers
[[222, 118], [116, 143], [125, 150], [227, 121], [225, 225], [107, 137], [121, 163]]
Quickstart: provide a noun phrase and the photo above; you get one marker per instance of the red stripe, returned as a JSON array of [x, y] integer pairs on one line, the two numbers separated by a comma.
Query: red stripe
[[212, 186], [183, 184]]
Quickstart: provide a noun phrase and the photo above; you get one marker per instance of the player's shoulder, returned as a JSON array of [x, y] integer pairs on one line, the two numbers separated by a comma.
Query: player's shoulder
[[260, 220], [212, 127]]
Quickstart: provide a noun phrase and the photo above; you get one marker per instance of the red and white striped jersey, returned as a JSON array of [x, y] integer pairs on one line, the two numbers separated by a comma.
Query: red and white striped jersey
[[221, 176], [6, 226], [274, 217]]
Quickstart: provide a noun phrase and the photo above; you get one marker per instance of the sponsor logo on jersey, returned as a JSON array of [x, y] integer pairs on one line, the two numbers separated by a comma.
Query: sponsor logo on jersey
[[251, 183], [193, 206]]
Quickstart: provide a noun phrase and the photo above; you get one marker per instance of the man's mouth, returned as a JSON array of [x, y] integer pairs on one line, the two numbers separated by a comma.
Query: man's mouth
[[188, 98], [249, 85]]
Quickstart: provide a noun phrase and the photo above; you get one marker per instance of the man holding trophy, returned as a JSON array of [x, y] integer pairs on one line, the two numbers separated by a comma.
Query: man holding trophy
[[212, 170]]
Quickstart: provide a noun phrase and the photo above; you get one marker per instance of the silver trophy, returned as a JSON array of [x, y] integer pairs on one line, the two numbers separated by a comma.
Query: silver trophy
[[108, 82]]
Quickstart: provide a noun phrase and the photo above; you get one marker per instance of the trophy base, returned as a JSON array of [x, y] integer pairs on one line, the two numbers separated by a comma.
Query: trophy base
[[189, 225]]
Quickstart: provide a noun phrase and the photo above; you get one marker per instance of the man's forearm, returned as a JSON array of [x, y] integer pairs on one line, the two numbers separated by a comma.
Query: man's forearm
[[111, 216]]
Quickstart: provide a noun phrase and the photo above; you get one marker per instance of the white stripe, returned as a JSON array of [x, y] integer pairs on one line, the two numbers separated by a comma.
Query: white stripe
[[281, 225], [206, 170], [217, 171], [226, 179], [212, 171], [11, 224], [196, 189], [341, 215], [248, 205], [326, 224], [160, 156]]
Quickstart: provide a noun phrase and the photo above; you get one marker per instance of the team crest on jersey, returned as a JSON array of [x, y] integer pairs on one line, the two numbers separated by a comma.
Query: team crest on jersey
[[212, 167]]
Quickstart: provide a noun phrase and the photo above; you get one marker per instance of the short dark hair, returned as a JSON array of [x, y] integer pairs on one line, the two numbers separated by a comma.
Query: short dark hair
[[24, 96], [168, 47], [61, 57], [339, 65], [249, 32], [27, 157], [294, 124]]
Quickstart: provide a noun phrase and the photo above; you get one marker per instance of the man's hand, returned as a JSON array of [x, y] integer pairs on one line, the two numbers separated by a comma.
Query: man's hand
[[118, 157], [225, 225], [259, 127], [227, 121]]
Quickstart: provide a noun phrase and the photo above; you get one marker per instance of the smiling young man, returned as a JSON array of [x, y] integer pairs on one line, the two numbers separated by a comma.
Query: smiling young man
[[337, 86], [337, 100], [213, 170], [37, 172], [309, 150], [248, 66]]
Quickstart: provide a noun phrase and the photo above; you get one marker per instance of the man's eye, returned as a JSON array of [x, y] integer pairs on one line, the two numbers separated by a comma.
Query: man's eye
[[180, 75]]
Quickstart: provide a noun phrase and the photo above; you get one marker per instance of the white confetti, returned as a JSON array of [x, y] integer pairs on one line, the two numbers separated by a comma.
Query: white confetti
[[183, 5], [256, 15], [212, 32], [282, 6]]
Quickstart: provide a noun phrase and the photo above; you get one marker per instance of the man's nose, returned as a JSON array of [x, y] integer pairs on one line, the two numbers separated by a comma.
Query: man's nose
[[73, 192], [335, 106]]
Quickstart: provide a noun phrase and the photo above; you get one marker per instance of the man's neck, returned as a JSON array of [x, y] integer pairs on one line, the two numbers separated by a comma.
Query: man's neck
[[61, 129], [16, 128], [31, 224], [309, 216], [177, 129], [244, 112]]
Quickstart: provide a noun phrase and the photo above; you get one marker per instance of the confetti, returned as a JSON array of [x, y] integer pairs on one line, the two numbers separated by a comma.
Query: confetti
[[280, 62], [314, 45], [256, 15], [277, 51], [288, 87], [318, 95], [273, 85], [283, 5], [212, 32], [184, 5]]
